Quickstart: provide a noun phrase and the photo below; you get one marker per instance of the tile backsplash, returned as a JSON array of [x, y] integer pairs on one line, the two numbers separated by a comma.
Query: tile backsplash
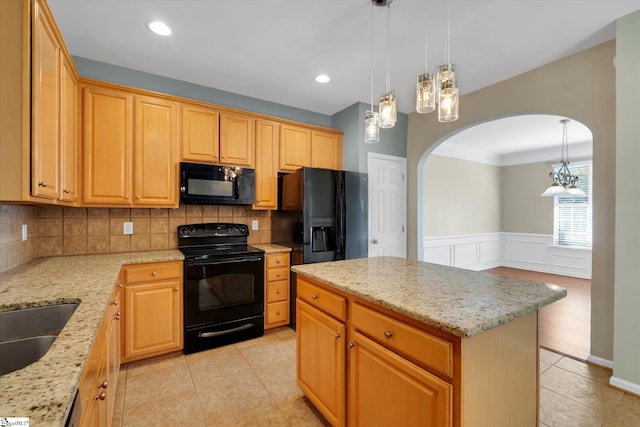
[[55, 230]]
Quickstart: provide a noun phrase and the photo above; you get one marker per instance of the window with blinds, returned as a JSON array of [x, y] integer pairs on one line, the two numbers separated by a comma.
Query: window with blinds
[[572, 219]]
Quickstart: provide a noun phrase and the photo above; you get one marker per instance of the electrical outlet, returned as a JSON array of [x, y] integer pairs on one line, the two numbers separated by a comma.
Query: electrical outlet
[[127, 227], [254, 224], [24, 232]]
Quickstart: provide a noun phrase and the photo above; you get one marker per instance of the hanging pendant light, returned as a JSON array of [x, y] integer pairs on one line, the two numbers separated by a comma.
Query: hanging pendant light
[[371, 122], [387, 108], [447, 86], [562, 178], [426, 85]]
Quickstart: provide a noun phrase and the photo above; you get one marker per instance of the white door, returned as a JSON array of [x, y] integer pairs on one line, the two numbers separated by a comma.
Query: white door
[[387, 205]]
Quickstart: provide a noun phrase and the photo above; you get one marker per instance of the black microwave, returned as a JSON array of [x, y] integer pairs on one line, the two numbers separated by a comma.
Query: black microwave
[[202, 184]]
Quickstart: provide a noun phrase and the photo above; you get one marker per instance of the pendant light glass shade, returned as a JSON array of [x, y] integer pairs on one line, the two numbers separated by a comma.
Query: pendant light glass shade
[[448, 106], [371, 128], [425, 93], [388, 110], [554, 190]]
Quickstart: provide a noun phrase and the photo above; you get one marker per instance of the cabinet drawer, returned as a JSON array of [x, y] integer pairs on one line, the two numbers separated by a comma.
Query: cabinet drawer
[[325, 300], [277, 312], [277, 291], [278, 260], [405, 339], [277, 274], [151, 272]]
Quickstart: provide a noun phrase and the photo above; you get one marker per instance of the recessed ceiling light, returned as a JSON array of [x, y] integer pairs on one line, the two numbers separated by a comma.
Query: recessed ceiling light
[[323, 78], [160, 28]]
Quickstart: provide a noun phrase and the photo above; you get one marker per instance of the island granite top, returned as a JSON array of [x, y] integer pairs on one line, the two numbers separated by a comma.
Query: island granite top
[[461, 302], [44, 390]]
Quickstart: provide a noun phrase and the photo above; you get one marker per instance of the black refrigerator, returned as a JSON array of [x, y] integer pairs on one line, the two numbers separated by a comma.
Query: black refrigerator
[[323, 216]]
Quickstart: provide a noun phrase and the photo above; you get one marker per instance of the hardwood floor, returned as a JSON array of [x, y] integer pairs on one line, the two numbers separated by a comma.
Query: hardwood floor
[[565, 325]]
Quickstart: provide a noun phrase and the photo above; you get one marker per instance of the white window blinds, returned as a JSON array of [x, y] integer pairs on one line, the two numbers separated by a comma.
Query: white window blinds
[[572, 222]]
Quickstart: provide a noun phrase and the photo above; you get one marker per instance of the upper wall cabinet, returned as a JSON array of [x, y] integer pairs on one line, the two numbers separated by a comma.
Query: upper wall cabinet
[[236, 139], [295, 147], [130, 141], [200, 134], [266, 186], [326, 150]]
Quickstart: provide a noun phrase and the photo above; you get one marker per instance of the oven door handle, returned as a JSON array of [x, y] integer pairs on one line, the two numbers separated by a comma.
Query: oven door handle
[[222, 261], [228, 331]]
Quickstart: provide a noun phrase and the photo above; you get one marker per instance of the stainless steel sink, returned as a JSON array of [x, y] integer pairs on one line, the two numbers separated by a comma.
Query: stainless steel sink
[[27, 334]]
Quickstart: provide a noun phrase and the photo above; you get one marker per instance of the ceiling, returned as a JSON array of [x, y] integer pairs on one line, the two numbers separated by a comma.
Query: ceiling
[[273, 49]]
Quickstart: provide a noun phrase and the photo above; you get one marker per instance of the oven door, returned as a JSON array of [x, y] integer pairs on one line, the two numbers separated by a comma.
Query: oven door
[[223, 289]]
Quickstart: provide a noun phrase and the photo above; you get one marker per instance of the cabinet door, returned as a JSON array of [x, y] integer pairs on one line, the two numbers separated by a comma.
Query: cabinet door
[[156, 152], [154, 319], [236, 140], [107, 142], [113, 350], [200, 134], [321, 362], [386, 389], [266, 186], [68, 132], [45, 108], [326, 150], [295, 147]]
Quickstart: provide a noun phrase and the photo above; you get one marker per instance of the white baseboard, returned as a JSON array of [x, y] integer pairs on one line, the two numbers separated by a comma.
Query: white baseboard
[[625, 385], [600, 361], [534, 252]]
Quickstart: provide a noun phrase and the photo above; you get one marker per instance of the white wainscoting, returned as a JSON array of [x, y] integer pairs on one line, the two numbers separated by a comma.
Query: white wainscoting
[[534, 252]]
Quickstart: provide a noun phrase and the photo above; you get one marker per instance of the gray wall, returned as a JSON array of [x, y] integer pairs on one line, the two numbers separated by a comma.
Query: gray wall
[[126, 76], [626, 353], [393, 141], [580, 87], [460, 197]]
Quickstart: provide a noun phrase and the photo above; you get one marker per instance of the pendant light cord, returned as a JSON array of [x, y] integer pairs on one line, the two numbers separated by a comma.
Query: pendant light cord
[[447, 47], [388, 79], [426, 37], [371, 42]]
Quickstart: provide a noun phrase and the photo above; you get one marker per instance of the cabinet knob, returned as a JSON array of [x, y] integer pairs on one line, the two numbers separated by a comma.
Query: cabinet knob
[[126, 197], [65, 191], [336, 335], [120, 285], [351, 345], [154, 274], [278, 261], [116, 302], [314, 296], [277, 313], [278, 291], [116, 316], [102, 396], [277, 274], [175, 289], [137, 197], [388, 334], [104, 384], [42, 184]]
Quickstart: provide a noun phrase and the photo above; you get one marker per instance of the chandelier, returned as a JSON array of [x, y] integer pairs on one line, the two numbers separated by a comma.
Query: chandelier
[[441, 88], [563, 182]]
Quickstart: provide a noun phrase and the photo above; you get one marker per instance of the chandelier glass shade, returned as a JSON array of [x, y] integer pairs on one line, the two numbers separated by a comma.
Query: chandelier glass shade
[[563, 181], [388, 110], [425, 93]]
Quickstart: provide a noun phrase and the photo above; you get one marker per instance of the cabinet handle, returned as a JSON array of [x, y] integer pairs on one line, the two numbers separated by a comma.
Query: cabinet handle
[[120, 285], [102, 396], [116, 316], [175, 289], [277, 274], [388, 334], [154, 274], [104, 384], [278, 291], [43, 184], [66, 191], [126, 197], [278, 261], [137, 197], [314, 296], [116, 302], [351, 345], [336, 335], [277, 313]]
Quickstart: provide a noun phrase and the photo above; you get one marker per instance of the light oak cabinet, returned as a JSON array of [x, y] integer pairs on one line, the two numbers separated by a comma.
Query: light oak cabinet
[[200, 134], [152, 310], [266, 185], [96, 392], [236, 139], [130, 142], [295, 147], [326, 150], [54, 112], [276, 290]]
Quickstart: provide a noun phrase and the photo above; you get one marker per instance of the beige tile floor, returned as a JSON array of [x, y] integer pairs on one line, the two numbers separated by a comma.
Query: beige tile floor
[[253, 384]]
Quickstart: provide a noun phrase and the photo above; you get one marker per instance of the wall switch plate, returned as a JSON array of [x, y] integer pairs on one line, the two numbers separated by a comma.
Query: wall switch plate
[[254, 224], [24, 232], [127, 227]]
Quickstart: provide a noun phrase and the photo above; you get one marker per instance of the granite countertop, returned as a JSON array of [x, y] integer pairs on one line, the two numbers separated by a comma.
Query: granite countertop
[[44, 390], [461, 302], [271, 248]]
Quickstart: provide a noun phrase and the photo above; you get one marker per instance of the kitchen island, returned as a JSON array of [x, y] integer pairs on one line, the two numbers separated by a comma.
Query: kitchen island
[[44, 390], [385, 341]]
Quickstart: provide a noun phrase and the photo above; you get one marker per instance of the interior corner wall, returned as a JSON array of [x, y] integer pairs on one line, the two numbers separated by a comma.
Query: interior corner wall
[[460, 197], [580, 87], [626, 354], [126, 76], [522, 208]]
